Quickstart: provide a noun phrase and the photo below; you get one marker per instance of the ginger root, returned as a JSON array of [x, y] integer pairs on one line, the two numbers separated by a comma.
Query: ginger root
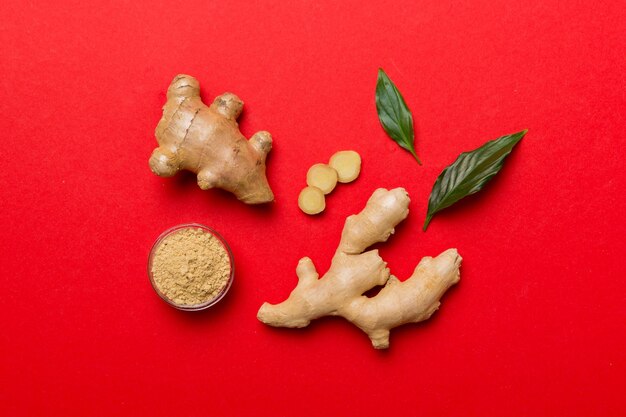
[[206, 140], [353, 272]]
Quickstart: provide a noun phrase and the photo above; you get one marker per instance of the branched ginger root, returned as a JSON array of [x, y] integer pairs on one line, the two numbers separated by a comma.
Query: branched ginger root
[[206, 140], [353, 272]]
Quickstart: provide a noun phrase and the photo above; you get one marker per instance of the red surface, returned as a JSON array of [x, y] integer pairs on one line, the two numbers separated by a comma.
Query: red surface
[[535, 327]]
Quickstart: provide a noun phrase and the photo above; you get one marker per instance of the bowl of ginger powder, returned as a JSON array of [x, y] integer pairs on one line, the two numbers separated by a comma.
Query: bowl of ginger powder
[[191, 267]]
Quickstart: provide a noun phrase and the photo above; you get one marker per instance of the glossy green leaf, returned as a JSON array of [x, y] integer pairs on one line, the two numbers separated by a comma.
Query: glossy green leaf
[[469, 173], [394, 114]]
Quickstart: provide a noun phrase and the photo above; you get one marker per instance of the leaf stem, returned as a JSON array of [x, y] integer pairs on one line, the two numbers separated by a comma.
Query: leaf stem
[[416, 157], [427, 222]]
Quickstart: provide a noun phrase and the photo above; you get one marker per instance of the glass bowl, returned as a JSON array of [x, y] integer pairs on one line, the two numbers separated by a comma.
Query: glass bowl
[[208, 303]]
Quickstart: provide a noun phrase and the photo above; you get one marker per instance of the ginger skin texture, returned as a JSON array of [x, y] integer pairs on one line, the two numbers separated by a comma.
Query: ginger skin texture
[[206, 140], [353, 272]]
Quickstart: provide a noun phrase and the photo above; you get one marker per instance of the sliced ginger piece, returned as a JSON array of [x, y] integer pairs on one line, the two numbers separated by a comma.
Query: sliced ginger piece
[[347, 164], [311, 200], [323, 177]]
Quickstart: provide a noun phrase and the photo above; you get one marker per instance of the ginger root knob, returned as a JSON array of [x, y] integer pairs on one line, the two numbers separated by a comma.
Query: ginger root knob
[[206, 140]]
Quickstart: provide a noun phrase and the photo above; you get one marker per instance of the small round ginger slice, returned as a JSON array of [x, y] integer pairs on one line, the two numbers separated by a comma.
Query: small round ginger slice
[[311, 200], [323, 177], [347, 164]]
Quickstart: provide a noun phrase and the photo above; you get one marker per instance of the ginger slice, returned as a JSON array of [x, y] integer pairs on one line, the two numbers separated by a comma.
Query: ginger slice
[[347, 164], [323, 177], [311, 200]]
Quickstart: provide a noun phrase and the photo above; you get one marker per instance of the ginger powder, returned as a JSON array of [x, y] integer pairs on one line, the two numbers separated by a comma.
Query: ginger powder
[[190, 267]]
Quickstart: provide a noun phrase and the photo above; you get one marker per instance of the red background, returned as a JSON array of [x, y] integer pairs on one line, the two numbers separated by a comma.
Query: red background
[[536, 325]]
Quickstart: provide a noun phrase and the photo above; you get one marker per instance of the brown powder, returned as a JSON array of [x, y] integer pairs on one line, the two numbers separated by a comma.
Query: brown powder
[[190, 266]]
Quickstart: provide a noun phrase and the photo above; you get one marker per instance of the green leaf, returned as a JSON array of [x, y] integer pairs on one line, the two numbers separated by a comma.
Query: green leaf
[[394, 114], [469, 173]]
